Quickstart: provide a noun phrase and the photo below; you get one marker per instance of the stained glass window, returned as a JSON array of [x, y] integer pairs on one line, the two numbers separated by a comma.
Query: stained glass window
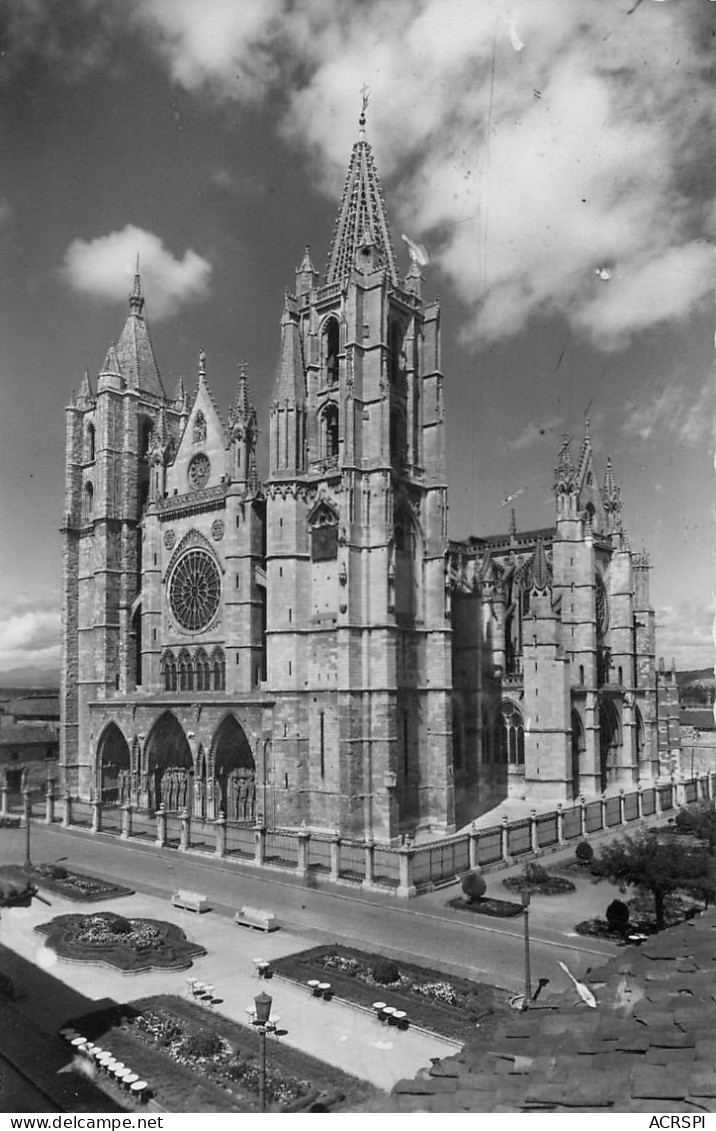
[[195, 590]]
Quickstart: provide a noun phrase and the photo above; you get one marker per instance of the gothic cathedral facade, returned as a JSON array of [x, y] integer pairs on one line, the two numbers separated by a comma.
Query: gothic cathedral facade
[[312, 648]]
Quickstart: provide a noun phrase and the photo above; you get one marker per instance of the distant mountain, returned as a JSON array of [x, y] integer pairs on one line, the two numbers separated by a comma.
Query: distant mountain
[[29, 678], [705, 675]]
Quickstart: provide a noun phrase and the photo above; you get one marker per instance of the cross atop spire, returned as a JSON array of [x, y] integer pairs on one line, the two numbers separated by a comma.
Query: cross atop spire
[[361, 216], [136, 299]]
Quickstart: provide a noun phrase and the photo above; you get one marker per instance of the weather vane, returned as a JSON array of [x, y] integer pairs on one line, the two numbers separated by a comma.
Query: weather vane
[[365, 93]]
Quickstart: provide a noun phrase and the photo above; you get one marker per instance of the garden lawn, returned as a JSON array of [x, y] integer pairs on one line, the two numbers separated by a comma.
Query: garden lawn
[[446, 1005], [164, 1037]]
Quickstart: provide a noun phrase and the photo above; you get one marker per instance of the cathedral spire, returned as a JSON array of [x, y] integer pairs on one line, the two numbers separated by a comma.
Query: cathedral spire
[[564, 472], [290, 384], [135, 354], [85, 397], [361, 217]]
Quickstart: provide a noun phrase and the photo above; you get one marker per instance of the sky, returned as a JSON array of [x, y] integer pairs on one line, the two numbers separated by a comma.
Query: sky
[[556, 160]]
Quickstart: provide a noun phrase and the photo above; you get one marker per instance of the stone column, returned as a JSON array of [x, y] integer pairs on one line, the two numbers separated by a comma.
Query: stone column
[[126, 821], [583, 821], [369, 850], [406, 887], [639, 802], [504, 848], [534, 835], [259, 845], [304, 843], [49, 803], [185, 834], [67, 815], [97, 815], [220, 835], [4, 790], [473, 847], [161, 827], [622, 808], [335, 857], [560, 823]]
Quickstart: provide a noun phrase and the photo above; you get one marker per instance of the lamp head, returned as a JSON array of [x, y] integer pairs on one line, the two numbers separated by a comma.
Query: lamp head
[[263, 1003], [525, 898]]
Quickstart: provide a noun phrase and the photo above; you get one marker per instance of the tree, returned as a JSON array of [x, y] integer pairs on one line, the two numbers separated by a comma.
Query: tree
[[474, 886], [655, 865], [699, 821]]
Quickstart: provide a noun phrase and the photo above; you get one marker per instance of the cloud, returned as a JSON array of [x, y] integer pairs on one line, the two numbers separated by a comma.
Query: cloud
[[685, 633], [30, 637], [677, 411], [102, 268], [528, 146], [534, 433]]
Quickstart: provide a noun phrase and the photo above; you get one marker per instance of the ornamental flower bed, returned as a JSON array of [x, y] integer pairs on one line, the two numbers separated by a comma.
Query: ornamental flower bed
[[130, 945], [201, 1061], [538, 881], [71, 885], [450, 1006]]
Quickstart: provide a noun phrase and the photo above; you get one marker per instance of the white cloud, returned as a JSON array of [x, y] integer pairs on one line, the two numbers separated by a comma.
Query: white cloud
[[685, 633], [530, 145], [30, 637], [535, 432], [104, 266], [681, 410]]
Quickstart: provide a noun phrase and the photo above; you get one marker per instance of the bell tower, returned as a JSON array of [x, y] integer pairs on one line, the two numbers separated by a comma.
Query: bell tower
[[358, 643]]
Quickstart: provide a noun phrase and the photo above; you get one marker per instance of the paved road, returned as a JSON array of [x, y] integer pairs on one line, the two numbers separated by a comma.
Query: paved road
[[423, 929]]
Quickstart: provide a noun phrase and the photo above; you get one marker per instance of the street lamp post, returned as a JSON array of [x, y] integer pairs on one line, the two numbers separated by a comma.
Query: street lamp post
[[27, 804], [263, 1003], [526, 919]]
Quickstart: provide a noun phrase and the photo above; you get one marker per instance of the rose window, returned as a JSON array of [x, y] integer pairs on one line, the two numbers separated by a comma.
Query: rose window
[[195, 590], [199, 469]]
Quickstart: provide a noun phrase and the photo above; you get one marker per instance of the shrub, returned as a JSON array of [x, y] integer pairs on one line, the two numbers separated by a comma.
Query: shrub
[[118, 925], [58, 872], [201, 1043], [536, 874], [618, 916], [385, 972], [7, 988], [474, 886], [584, 852]]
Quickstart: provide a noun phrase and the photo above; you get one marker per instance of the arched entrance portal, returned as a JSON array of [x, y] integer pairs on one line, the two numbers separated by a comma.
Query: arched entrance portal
[[170, 770], [578, 746], [234, 772], [113, 766], [609, 740]]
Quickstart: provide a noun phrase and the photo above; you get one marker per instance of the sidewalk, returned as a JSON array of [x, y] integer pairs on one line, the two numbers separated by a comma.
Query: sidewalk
[[348, 1038]]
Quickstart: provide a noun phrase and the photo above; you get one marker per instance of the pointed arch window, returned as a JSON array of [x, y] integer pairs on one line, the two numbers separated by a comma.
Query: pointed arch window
[[87, 502], [203, 671], [218, 662], [169, 666], [513, 734], [90, 444], [329, 432], [398, 437], [186, 672], [396, 357], [330, 350]]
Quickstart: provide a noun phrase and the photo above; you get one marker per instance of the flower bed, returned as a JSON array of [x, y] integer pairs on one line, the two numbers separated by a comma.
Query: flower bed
[[450, 1006], [495, 908], [71, 885], [130, 945], [678, 909], [202, 1061], [538, 881]]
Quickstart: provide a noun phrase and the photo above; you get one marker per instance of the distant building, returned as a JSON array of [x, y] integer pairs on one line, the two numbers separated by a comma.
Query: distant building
[[313, 648], [28, 753]]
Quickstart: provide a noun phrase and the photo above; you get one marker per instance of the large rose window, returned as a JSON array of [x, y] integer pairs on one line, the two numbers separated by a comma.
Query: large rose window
[[195, 590]]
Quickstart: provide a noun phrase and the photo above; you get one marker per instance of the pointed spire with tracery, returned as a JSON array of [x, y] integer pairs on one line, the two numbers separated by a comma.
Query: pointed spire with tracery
[[565, 476], [85, 397], [135, 354], [361, 219], [242, 414]]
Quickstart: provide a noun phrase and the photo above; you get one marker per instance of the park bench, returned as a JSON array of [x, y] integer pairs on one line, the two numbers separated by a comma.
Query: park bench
[[190, 900], [256, 917]]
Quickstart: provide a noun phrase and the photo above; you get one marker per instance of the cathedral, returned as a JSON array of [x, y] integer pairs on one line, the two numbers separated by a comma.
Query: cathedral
[[313, 649]]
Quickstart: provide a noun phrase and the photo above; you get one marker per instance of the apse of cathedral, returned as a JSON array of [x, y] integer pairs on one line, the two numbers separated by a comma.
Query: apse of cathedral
[[312, 649]]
